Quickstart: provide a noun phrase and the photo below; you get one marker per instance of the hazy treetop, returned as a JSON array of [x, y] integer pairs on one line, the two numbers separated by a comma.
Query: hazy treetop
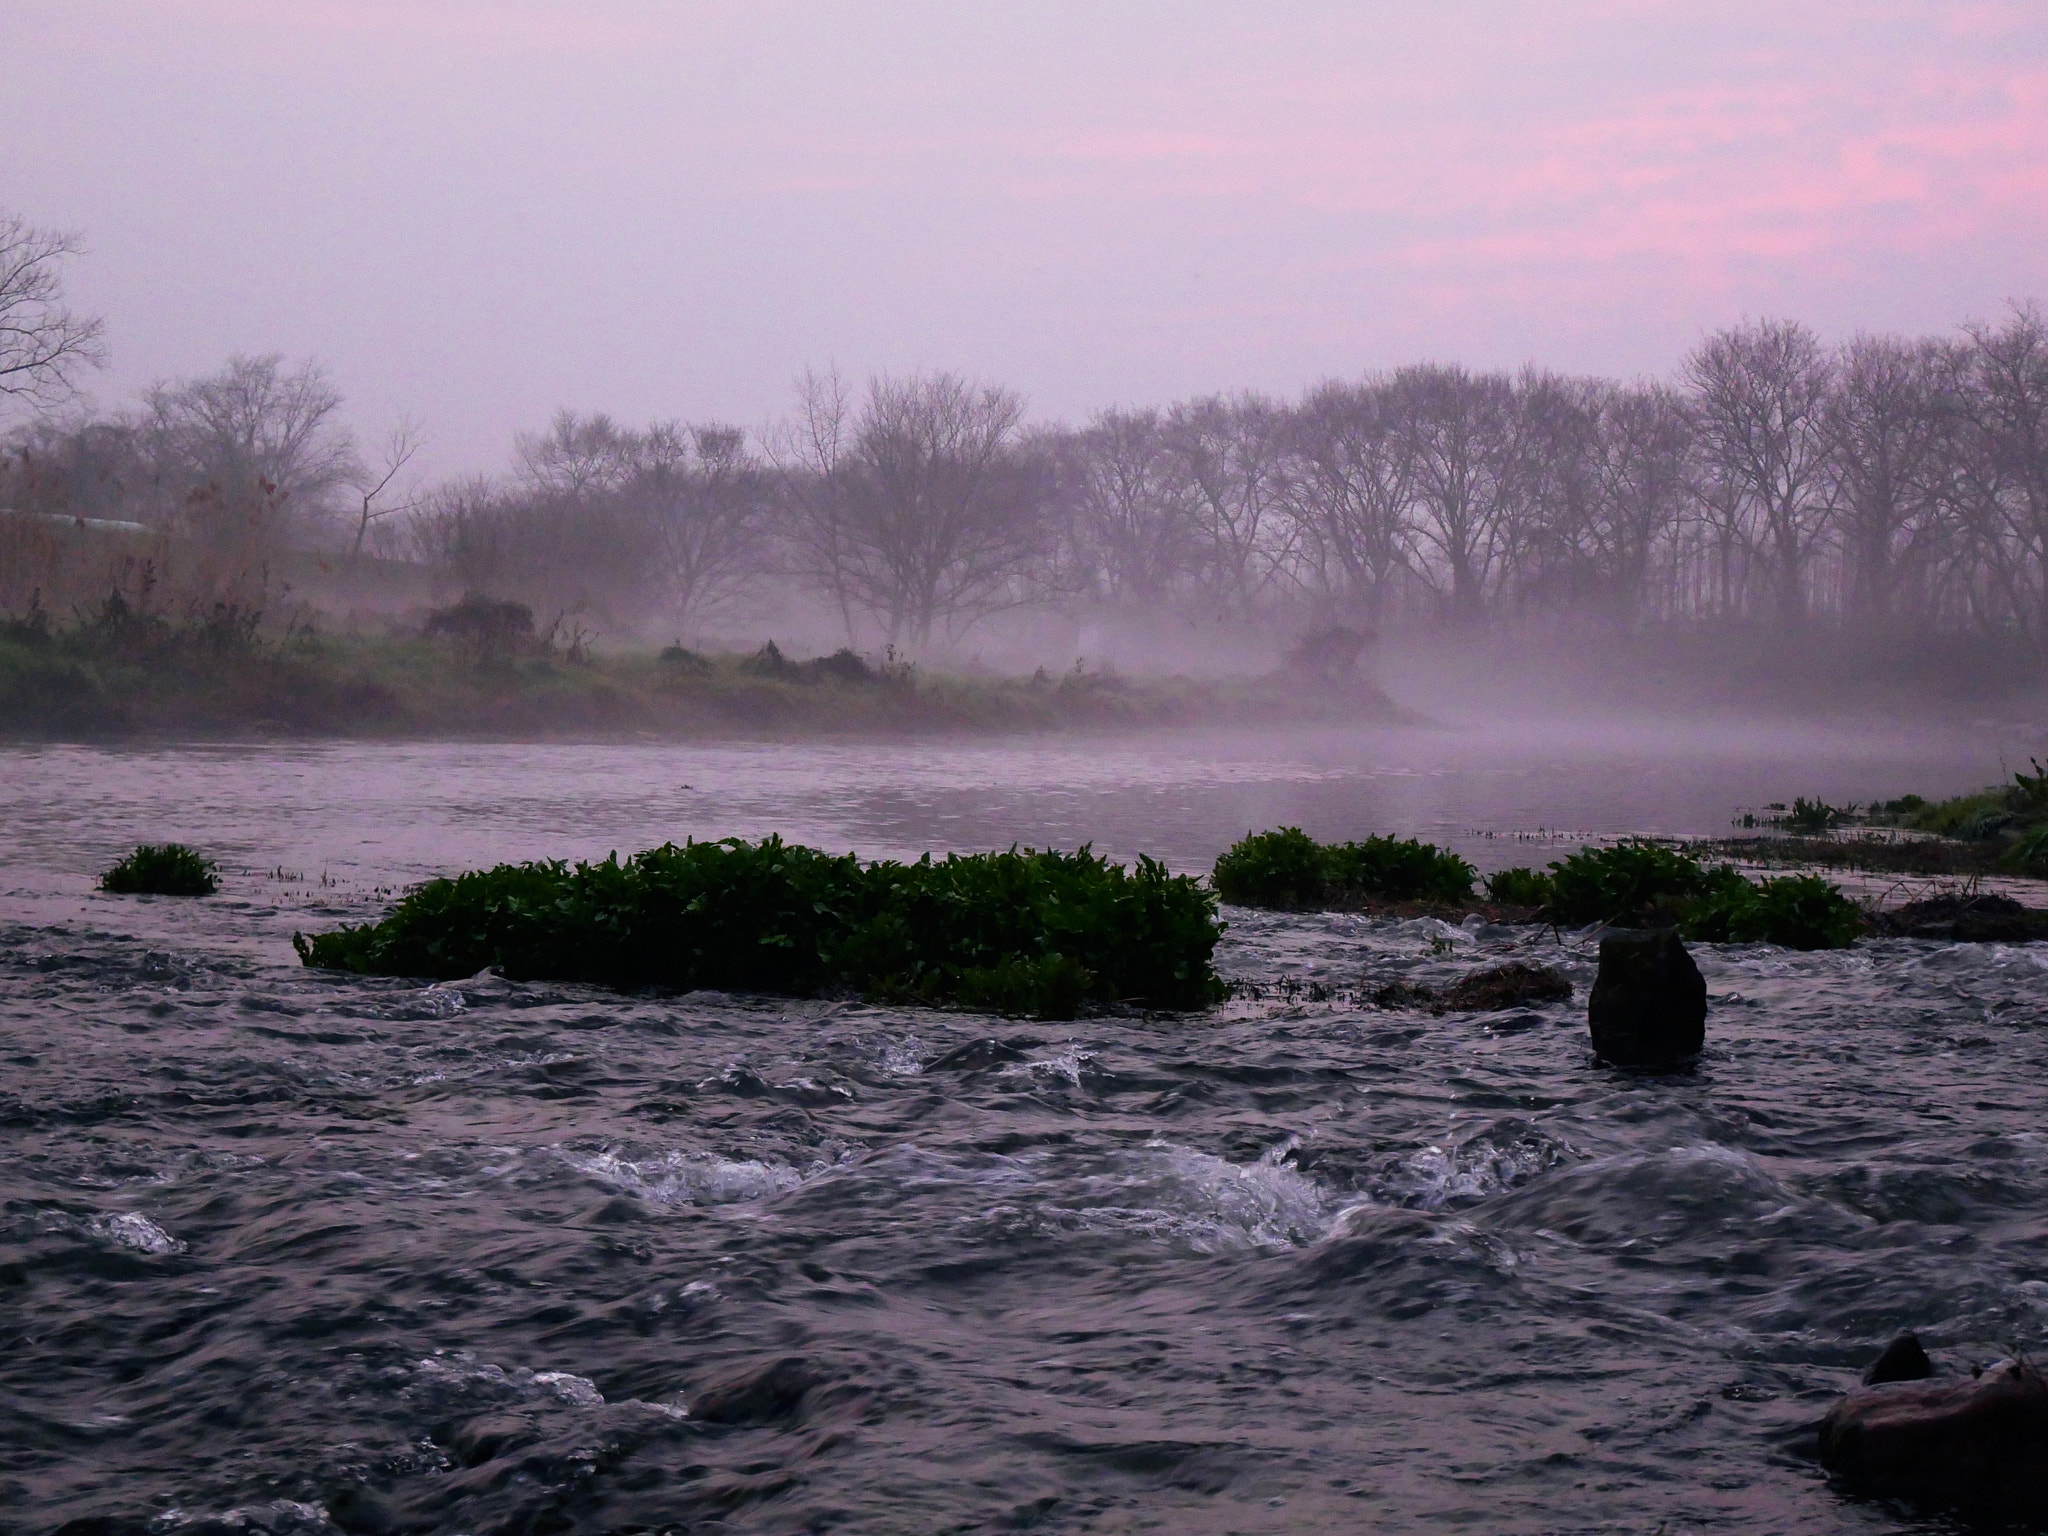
[[480, 212]]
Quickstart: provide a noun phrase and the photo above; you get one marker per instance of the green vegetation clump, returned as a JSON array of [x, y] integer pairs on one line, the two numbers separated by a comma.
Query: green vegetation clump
[[1816, 815], [1521, 887], [1797, 911], [2029, 856], [1289, 869], [1636, 882], [1032, 932], [1630, 881], [162, 869]]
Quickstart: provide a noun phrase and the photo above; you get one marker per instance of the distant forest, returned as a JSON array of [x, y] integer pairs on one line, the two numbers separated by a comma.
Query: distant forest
[[1890, 486]]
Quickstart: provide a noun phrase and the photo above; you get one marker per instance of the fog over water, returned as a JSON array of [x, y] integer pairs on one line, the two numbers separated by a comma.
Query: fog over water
[[379, 814], [294, 1252]]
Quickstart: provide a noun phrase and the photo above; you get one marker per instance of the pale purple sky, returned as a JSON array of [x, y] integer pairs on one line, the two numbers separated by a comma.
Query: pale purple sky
[[477, 212]]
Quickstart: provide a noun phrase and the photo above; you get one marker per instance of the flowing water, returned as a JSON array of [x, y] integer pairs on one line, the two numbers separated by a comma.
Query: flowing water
[[289, 1252]]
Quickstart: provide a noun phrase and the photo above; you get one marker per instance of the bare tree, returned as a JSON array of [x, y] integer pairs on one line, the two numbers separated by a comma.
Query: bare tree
[[1129, 532], [2001, 466], [576, 454], [1231, 454], [43, 345], [1646, 490], [923, 511], [1462, 433], [1888, 424], [705, 500], [1351, 492], [249, 454], [1762, 394], [399, 449], [1551, 503], [812, 457]]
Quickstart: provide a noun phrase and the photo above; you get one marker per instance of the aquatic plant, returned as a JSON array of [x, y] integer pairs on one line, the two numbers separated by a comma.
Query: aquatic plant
[[1629, 881], [1638, 881], [1816, 815], [162, 869], [2031, 789], [1271, 869], [1522, 887], [1797, 911], [1035, 932], [1289, 869], [2030, 854]]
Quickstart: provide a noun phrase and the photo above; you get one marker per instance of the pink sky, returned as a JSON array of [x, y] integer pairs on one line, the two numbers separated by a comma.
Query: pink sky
[[477, 212]]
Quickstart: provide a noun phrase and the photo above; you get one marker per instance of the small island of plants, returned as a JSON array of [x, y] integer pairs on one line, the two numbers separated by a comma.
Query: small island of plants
[[1633, 883], [1029, 932], [162, 869]]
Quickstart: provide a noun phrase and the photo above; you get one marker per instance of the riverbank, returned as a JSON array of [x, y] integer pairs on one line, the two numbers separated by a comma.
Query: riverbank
[[216, 680]]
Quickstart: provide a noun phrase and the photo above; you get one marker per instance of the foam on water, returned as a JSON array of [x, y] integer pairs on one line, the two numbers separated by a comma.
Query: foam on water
[[679, 1178], [133, 1231]]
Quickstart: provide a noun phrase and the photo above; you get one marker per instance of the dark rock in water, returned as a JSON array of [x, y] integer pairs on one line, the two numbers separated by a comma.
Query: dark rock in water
[[1979, 1442], [1903, 1360], [482, 1439], [1649, 1001], [1982, 919], [362, 1512], [1514, 985], [758, 1395], [974, 1056]]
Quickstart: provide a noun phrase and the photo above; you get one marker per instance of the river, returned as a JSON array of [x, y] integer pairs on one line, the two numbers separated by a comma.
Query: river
[[290, 1252]]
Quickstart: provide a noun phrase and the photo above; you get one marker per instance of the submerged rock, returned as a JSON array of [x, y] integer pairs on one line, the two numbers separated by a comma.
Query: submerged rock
[[1986, 918], [1514, 985], [1903, 1360], [976, 1056], [1649, 1002], [757, 1394], [1979, 1442]]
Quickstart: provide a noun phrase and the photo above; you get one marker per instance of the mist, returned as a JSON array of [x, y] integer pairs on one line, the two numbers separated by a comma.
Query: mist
[[1780, 524], [898, 767]]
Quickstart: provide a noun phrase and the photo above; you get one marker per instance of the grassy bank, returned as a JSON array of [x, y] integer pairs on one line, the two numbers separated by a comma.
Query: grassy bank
[[1040, 933], [120, 672], [1999, 830]]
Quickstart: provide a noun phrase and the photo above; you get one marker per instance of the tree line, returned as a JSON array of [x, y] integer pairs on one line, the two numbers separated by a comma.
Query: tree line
[[1889, 484]]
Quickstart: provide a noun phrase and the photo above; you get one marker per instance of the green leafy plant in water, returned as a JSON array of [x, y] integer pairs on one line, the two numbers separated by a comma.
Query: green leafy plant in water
[[1629, 881], [1797, 911], [1397, 869], [1816, 815], [1289, 869], [2032, 788], [1271, 869], [162, 869], [2029, 856], [1033, 932], [1523, 887]]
